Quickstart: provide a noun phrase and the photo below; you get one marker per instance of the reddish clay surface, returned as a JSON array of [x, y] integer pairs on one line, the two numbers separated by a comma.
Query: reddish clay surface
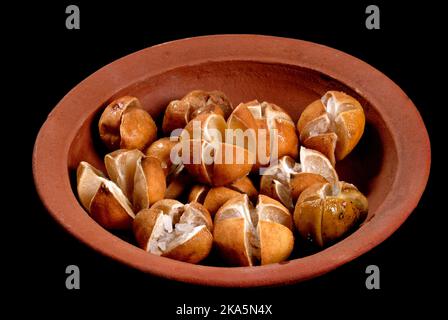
[[391, 163]]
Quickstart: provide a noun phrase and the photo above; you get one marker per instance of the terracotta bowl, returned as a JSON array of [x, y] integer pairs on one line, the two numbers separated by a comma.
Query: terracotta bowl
[[390, 165]]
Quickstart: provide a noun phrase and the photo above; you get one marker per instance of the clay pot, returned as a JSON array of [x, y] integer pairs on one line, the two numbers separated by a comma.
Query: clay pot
[[390, 165]]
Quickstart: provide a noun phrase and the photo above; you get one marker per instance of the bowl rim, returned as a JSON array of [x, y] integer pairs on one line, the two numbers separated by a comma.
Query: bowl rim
[[408, 131]]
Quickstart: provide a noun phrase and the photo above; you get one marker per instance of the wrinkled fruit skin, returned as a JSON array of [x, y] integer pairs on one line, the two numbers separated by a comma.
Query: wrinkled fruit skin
[[149, 183], [262, 237], [214, 198], [264, 117], [224, 208], [193, 250], [302, 181], [286, 180], [125, 125], [229, 240], [210, 159], [177, 179], [120, 166], [179, 112], [323, 221], [332, 125], [161, 149], [105, 210], [103, 199], [217, 196]]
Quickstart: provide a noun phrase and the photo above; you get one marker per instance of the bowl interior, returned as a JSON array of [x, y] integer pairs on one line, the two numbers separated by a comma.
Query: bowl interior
[[370, 166]]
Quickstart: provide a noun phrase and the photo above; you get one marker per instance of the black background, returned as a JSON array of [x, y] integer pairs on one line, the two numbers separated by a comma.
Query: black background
[[407, 48]]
